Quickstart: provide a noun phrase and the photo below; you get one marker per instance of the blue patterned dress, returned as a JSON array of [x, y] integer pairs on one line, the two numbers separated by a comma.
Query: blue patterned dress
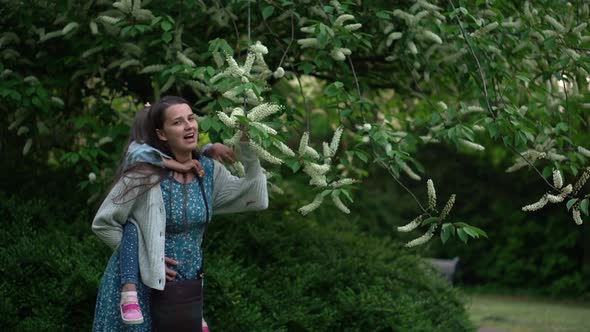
[[183, 244]]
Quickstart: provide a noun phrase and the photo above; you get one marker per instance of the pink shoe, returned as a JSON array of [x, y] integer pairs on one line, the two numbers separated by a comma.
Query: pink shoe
[[130, 311], [204, 326]]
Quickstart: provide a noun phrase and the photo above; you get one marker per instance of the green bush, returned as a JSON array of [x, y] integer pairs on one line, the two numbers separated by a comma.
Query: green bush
[[300, 274], [50, 267], [272, 271]]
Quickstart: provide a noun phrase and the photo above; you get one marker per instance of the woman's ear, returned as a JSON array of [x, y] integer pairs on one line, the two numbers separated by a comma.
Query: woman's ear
[[161, 135]]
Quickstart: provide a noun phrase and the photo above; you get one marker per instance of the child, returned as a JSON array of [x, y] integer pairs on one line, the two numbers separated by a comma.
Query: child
[[140, 152]]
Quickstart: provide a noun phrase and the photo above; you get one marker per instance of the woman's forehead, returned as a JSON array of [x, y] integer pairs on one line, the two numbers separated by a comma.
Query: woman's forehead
[[178, 110]]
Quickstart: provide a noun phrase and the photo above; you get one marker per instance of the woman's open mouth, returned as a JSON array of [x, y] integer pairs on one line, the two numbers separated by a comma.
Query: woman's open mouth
[[190, 138]]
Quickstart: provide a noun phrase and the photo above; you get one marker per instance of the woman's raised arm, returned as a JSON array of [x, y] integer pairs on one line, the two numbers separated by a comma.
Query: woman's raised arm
[[234, 194]]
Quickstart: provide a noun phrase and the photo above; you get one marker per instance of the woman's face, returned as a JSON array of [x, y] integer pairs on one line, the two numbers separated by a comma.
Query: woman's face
[[180, 128]]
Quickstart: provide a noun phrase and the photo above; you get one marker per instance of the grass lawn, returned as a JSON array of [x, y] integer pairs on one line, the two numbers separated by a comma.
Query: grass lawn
[[525, 314]]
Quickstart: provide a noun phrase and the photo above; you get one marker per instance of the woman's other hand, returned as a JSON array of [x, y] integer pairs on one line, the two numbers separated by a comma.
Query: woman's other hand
[[221, 153], [170, 274]]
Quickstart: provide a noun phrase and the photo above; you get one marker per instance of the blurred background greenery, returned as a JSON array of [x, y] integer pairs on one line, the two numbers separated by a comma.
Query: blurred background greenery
[[69, 93]]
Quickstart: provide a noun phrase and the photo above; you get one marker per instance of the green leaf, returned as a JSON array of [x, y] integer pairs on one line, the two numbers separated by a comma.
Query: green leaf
[[523, 78], [584, 206], [293, 164], [446, 232], [430, 221], [561, 126], [166, 26], [571, 202], [267, 12], [547, 171], [306, 67], [326, 192], [347, 195], [205, 124], [479, 231], [382, 14], [167, 37], [471, 232], [362, 156], [492, 129], [462, 235]]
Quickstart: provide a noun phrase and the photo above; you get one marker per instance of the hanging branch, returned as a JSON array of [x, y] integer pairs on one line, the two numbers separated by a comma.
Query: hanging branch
[[401, 184], [487, 98], [481, 74], [290, 42], [373, 147], [307, 112]]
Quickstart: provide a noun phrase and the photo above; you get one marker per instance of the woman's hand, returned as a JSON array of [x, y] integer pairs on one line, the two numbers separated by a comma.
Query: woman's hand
[[221, 153], [170, 274]]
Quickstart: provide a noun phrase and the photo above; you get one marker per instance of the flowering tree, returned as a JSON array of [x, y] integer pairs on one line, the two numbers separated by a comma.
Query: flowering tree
[[387, 77]]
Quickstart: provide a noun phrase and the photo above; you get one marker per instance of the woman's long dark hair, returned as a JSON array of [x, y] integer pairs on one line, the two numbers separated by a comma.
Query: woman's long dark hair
[[145, 124]]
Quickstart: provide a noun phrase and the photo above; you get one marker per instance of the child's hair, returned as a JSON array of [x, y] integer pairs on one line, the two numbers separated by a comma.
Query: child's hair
[[139, 130], [139, 134]]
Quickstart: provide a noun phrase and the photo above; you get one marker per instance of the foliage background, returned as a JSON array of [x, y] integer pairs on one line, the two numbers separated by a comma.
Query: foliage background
[[70, 83]]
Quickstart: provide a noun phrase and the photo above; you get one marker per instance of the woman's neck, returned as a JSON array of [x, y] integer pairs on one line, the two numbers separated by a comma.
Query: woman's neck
[[183, 157]]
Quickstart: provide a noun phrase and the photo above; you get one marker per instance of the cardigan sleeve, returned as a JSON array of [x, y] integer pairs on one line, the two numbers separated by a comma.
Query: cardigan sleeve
[[234, 194], [116, 209]]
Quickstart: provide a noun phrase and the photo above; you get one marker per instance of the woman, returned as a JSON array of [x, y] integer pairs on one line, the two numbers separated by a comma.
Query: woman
[[170, 211]]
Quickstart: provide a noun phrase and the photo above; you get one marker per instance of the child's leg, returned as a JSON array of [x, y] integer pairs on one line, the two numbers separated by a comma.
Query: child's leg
[[128, 257], [129, 264]]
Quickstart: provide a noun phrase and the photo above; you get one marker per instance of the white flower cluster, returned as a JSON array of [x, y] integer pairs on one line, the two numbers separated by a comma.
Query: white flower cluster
[[417, 12], [485, 29], [424, 238], [582, 180], [343, 182], [338, 203], [537, 205], [412, 225], [431, 195], [263, 154], [583, 151], [279, 73], [337, 53], [409, 171], [91, 177], [59, 33], [129, 7], [317, 172], [418, 220], [262, 111], [447, 209], [471, 145], [549, 197], [577, 216], [317, 201], [254, 62], [286, 150], [531, 155], [232, 120]]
